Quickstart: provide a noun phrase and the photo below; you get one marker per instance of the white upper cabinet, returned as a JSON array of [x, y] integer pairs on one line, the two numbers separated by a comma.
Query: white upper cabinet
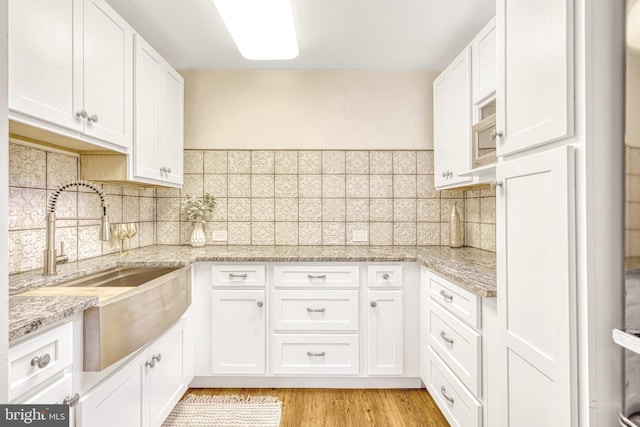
[[71, 69], [535, 73], [452, 122], [108, 74], [159, 92], [484, 63]]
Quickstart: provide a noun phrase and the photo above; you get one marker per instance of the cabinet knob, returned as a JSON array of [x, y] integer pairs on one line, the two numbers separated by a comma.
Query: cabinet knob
[[495, 134], [385, 276], [151, 363], [260, 304], [157, 357], [168, 170], [82, 113], [71, 400], [163, 170], [41, 361], [493, 184], [374, 304], [93, 118], [444, 174]]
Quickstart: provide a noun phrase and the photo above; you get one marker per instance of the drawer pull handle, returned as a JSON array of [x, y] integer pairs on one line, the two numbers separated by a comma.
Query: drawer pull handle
[[315, 310], [259, 304], [385, 276], [312, 354], [446, 296], [316, 276], [443, 391], [41, 361], [71, 400], [448, 340], [237, 276], [374, 304]]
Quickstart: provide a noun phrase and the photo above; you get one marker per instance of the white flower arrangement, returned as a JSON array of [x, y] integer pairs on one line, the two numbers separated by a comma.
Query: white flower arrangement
[[196, 209]]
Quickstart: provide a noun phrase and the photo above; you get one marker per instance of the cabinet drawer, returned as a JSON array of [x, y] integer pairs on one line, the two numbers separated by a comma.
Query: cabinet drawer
[[315, 310], [458, 345], [314, 354], [24, 370], [384, 276], [320, 276], [456, 402], [238, 275], [55, 393], [459, 301]]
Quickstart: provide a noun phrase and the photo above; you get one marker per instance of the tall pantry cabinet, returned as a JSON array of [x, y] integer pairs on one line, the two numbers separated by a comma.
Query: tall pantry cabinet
[[536, 369]]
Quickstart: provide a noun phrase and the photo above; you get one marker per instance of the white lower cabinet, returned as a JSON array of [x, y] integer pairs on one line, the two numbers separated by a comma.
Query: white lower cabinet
[[238, 331], [144, 390], [385, 340], [458, 344], [330, 323]]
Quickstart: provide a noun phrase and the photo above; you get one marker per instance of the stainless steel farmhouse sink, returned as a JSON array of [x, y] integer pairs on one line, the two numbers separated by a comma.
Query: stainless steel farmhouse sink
[[139, 304]]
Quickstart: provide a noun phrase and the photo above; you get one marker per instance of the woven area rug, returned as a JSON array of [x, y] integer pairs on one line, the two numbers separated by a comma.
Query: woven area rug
[[227, 411]]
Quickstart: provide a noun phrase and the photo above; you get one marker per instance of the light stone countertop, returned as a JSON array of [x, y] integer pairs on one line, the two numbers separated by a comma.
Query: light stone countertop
[[471, 268]]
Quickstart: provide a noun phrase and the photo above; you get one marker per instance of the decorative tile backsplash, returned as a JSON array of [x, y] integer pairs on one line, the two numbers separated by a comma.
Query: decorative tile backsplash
[[33, 175], [265, 197], [287, 197]]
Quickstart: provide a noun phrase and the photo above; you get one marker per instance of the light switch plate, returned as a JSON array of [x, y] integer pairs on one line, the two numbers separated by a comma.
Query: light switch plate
[[360, 236], [219, 236]]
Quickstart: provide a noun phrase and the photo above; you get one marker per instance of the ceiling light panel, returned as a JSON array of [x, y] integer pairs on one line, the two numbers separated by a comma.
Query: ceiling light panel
[[261, 29]]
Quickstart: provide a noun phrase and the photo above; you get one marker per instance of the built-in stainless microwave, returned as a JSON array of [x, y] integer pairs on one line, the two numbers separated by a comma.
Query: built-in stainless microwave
[[484, 142]]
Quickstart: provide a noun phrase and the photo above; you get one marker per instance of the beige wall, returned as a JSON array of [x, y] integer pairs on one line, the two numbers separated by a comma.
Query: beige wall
[[308, 109]]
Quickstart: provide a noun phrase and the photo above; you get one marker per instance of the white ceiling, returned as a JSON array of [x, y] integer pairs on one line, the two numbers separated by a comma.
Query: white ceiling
[[332, 34]]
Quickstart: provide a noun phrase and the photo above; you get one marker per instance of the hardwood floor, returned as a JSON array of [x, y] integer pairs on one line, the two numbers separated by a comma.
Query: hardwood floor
[[348, 407]]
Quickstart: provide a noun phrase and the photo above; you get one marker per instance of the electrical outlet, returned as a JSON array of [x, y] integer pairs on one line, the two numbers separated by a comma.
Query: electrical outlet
[[360, 236], [219, 236]]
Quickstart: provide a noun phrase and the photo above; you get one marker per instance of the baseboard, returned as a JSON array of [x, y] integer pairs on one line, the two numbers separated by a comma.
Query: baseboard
[[305, 382]]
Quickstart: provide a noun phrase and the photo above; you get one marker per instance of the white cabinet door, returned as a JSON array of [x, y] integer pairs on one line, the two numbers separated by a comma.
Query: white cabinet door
[[118, 401], [108, 74], [385, 333], [535, 73], [166, 379], [484, 63], [452, 122], [536, 291], [146, 148], [238, 331], [159, 132], [172, 134], [45, 72]]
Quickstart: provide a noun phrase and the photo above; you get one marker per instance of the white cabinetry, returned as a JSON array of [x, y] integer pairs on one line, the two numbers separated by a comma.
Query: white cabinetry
[[238, 319], [315, 328], [452, 122], [40, 369], [535, 73], [537, 291], [483, 51], [71, 70], [158, 143], [306, 325], [238, 331], [385, 325], [145, 390], [457, 340]]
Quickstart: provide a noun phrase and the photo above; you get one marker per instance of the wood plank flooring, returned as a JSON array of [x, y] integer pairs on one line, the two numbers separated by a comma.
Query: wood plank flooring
[[348, 407]]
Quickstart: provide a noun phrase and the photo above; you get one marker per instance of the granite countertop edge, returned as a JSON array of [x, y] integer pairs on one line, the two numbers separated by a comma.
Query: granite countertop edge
[[470, 268]]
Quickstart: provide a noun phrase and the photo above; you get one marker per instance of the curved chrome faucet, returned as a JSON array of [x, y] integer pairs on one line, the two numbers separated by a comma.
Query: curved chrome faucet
[[51, 258]]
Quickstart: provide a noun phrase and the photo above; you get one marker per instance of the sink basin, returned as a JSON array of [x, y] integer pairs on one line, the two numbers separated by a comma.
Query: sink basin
[[120, 277], [139, 304]]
